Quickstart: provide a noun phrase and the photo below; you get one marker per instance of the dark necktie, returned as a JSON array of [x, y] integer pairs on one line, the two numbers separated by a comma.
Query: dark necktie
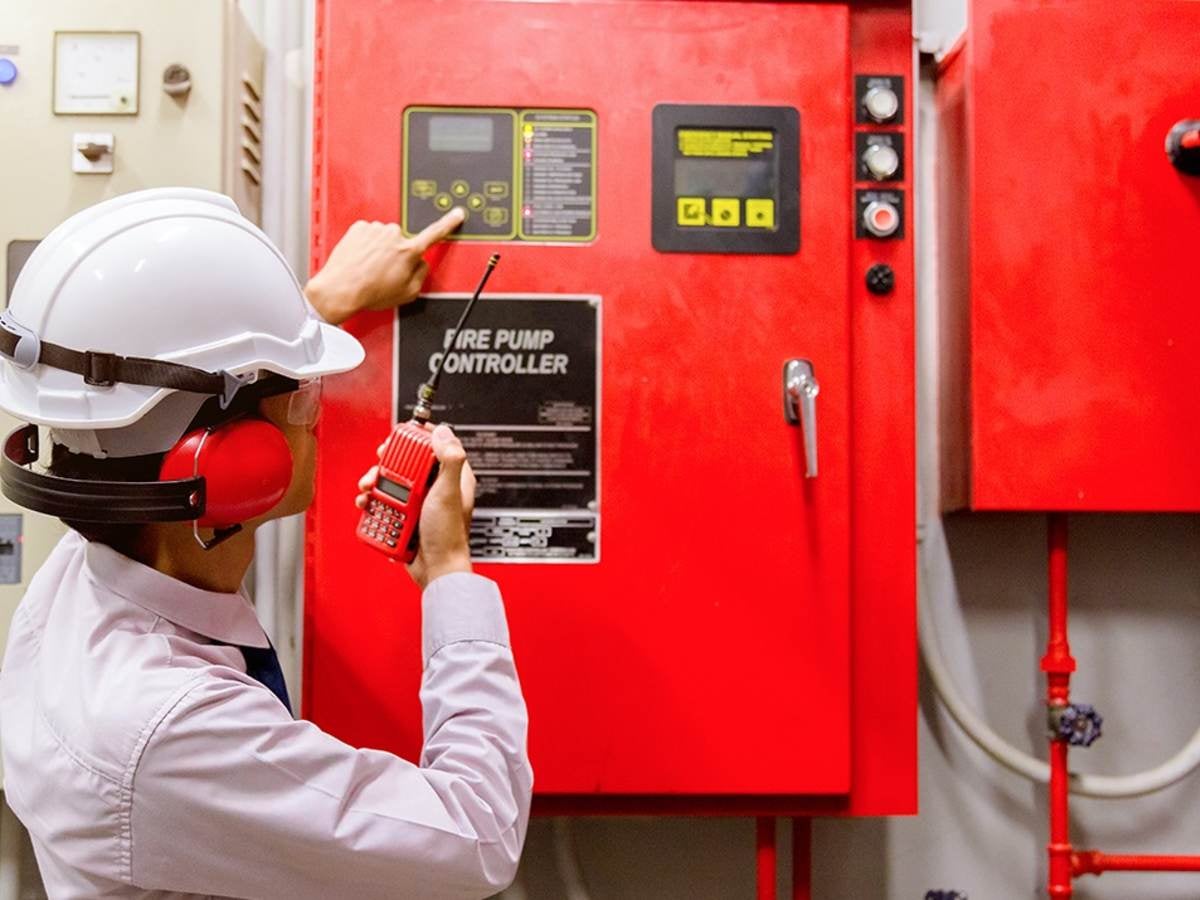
[[262, 664]]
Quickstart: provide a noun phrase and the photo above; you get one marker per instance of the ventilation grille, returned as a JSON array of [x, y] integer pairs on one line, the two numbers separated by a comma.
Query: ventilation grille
[[407, 451], [251, 143]]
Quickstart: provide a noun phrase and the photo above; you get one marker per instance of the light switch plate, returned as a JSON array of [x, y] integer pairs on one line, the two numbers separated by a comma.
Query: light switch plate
[[82, 139]]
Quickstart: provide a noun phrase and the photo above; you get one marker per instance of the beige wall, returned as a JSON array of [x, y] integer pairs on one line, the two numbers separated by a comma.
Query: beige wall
[[194, 140]]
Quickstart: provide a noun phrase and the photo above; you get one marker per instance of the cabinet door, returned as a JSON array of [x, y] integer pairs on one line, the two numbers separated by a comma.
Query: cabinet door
[[1085, 339], [706, 651]]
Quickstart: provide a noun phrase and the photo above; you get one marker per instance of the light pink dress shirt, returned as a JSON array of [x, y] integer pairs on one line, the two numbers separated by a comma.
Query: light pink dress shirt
[[146, 763]]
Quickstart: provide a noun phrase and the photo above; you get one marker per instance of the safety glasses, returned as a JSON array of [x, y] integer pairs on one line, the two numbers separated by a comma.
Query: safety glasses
[[304, 403]]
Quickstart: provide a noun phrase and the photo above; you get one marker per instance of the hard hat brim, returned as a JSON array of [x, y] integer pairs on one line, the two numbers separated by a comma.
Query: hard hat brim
[[342, 352]]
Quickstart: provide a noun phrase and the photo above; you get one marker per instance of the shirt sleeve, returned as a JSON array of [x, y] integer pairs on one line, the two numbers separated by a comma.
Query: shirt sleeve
[[231, 796]]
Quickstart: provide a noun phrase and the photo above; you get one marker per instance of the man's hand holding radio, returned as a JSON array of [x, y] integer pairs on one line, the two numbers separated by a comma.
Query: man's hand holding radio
[[446, 514], [374, 266]]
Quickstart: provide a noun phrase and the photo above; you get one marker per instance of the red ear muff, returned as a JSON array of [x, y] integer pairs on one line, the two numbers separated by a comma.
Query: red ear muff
[[246, 466]]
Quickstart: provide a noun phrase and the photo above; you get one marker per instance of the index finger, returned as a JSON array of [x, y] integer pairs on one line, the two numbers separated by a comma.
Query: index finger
[[439, 230]]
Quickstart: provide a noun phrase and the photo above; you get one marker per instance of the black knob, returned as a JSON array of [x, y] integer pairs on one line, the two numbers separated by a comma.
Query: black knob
[[1183, 146], [945, 895], [1077, 723], [880, 279]]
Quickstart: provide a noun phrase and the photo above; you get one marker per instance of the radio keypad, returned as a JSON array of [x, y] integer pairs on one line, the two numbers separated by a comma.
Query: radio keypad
[[382, 522]]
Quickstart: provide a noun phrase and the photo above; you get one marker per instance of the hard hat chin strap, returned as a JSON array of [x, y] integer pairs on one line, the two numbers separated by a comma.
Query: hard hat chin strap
[[25, 349]]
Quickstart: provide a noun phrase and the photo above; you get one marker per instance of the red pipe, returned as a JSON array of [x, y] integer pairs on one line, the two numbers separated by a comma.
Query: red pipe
[[1059, 848], [801, 859], [1093, 862], [765, 837], [1064, 863], [1058, 664]]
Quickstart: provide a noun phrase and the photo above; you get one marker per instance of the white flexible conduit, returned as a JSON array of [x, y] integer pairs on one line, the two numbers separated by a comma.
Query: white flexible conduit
[[1109, 787]]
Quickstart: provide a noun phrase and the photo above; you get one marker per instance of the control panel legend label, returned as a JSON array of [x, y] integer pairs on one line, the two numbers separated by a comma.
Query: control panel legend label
[[519, 174], [558, 175], [521, 389]]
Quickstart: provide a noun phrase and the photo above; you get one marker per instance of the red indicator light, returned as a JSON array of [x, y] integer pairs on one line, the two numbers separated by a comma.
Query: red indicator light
[[881, 218]]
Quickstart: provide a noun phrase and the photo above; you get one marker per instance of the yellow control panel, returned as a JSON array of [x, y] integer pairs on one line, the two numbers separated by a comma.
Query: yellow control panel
[[725, 179]]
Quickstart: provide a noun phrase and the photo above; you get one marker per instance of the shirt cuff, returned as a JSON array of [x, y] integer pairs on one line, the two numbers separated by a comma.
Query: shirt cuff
[[461, 606]]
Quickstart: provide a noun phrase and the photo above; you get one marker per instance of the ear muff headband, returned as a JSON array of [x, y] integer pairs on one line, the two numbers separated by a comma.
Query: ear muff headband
[[95, 501], [181, 494]]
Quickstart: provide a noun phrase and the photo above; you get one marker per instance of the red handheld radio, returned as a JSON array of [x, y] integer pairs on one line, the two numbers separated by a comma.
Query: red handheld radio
[[407, 465]]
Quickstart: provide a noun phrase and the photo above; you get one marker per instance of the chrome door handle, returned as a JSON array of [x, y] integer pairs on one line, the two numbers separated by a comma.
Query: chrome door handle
[[800, 389]]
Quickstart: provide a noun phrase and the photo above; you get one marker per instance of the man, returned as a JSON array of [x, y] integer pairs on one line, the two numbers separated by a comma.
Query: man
[[147, 741]]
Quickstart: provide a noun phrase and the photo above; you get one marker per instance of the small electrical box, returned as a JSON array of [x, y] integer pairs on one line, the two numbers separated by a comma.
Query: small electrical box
[[1068, 236]]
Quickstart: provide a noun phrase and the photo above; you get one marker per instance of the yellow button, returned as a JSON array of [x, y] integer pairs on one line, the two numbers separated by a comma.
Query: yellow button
[[424, 188], [476, 201], [760, 213], [460, 188], [497, 189], [689, 210], [727, 212], [443, 201], [495, 216]]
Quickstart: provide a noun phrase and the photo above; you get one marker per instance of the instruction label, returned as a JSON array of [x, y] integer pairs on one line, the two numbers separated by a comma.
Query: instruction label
[[558, 174], [520, 386]]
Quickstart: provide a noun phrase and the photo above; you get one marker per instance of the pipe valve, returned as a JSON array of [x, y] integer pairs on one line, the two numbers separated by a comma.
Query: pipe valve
[[1076, 723]]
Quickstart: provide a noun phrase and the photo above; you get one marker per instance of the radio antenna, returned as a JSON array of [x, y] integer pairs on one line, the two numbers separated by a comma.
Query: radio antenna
[[423, 411]]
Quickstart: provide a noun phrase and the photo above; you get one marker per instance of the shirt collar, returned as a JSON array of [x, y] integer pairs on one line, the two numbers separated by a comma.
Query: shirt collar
[[228, 618]]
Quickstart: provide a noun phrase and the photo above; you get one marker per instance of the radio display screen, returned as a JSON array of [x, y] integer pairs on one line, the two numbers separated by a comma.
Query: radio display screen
[[392, 489]]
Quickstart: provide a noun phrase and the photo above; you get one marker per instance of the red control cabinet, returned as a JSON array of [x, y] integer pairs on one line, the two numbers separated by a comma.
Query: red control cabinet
[[1068, 247], [677, 194]]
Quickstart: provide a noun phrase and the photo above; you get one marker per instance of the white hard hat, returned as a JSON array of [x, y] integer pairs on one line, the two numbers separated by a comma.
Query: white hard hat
[[173, 275]]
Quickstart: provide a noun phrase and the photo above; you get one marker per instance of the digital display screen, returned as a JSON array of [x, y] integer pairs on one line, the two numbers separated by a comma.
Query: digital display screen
[[710, 177], [461, 134], [399, 491]]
